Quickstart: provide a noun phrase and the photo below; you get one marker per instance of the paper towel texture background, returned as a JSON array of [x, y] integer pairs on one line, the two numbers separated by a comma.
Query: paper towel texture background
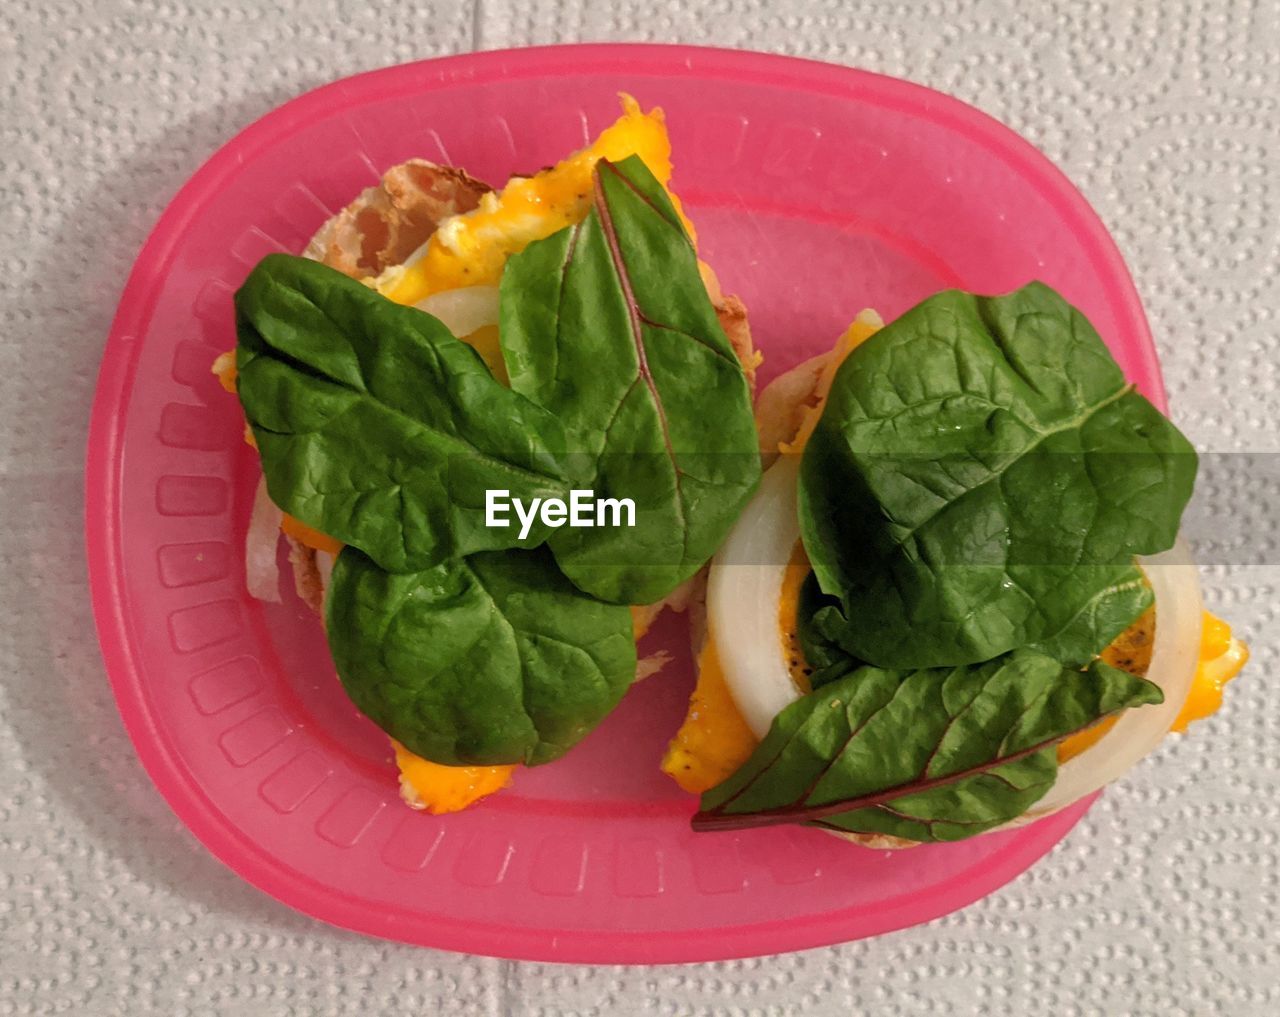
[[1165, 901]]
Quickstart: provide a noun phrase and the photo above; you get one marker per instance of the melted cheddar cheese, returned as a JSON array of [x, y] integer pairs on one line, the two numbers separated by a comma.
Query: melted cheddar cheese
[[471, 249], [714, 740], [308, 535], [224, 366], [485, 342], [437, 789], [1222, 657]]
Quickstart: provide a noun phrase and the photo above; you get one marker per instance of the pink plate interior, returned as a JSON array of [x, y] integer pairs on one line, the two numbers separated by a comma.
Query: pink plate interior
[[817, 190]]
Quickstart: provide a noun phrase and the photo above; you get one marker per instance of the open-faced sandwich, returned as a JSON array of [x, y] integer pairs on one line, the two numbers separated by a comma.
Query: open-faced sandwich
[[958, 600], [502, 429], [489, 527]]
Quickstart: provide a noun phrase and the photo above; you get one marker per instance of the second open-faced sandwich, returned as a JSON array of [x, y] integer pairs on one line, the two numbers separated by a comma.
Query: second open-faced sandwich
[[958, 600]]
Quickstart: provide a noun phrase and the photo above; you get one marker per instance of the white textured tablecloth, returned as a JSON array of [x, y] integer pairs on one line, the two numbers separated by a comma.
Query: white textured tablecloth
[[1165, 901]]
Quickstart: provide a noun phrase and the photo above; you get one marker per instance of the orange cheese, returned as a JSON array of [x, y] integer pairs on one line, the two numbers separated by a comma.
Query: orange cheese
[[797, 571], [714, 740], [1073, 745], [309, 536], [439, 789], [1221, 659], [641, 618]]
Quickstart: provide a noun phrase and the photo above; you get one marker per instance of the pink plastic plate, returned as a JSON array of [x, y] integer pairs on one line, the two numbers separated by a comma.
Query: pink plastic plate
[[817, 190]]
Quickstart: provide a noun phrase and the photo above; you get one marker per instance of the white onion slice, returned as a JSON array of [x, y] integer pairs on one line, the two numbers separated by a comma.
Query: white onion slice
[[743, 594], [465, 310], [1179, 617], [261, 576], [744, 587]]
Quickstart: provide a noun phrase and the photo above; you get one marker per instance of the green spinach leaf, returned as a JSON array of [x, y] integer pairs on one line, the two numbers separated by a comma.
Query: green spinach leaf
[[819, 625], [930, 755], [981, 479], [378, 427], [607, 324], [495, 658]]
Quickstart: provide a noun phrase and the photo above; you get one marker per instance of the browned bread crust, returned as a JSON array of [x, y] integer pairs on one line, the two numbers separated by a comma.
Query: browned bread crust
[[783, 403], [387, 223]]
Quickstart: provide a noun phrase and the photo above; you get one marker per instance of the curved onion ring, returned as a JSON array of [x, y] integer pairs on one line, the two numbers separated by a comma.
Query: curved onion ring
[[465, 310], [261, 576], [743, 593], [744, 587], [1179, 617]]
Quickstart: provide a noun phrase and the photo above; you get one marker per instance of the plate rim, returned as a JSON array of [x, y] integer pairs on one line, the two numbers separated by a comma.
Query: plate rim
[[103, 466]]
